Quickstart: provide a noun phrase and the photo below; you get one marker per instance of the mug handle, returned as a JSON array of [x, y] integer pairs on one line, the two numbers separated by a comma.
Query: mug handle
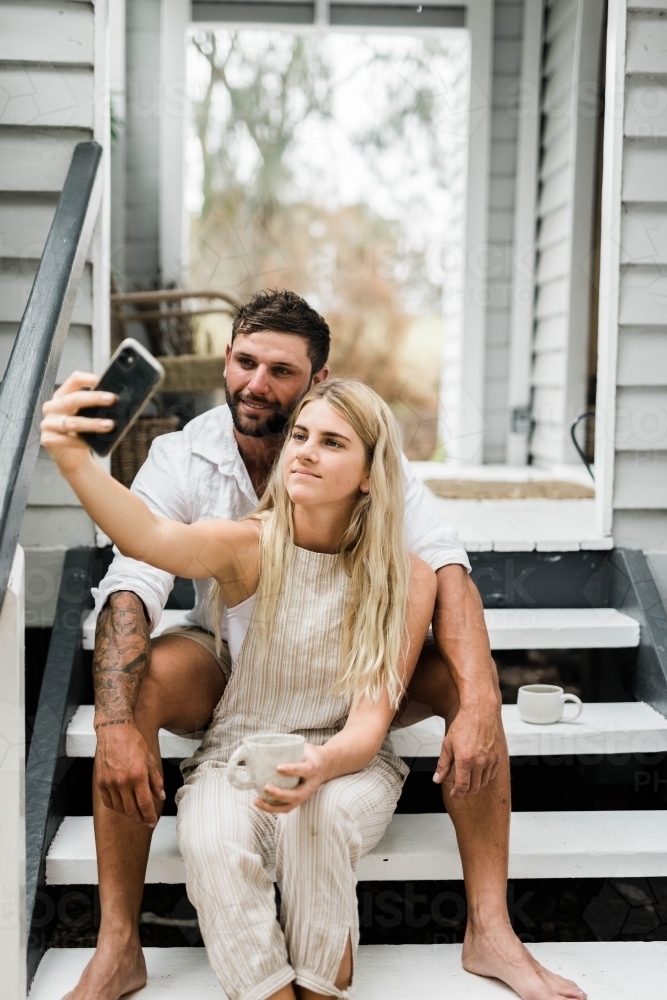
[[575, 701], [236, 758]]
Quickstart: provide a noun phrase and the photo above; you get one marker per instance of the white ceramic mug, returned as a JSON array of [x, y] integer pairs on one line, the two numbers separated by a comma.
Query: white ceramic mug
[[542, 704], [261, 754]]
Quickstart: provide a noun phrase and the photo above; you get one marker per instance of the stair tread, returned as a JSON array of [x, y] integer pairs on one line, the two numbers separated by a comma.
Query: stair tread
[[603, 727], [509, 628], [560, 628], [524, 525], [423, 846], [606, 970]]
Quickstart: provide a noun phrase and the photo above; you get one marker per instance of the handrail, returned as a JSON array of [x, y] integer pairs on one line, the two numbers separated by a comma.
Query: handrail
[[580, 450], [62, 691], [33, 364]]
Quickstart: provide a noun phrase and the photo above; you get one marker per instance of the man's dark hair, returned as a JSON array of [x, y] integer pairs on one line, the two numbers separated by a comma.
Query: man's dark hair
[[285, 312]]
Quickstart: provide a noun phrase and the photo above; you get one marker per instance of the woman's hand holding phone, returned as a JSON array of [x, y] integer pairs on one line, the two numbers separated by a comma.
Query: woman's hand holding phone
[[61, 425], [100, 410]]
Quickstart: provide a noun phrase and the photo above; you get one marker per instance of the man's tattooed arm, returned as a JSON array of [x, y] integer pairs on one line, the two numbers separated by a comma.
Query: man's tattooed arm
[[120, 660]]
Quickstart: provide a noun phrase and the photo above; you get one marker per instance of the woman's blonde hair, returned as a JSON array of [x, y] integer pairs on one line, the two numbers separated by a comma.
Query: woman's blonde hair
[[373, 548]]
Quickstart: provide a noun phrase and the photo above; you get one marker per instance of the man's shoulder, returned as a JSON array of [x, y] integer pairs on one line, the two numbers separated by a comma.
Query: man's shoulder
[[208, 436]]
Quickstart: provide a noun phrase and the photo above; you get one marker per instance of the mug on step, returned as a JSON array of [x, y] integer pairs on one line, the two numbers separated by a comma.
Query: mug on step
[[261, 754], [542, 704]]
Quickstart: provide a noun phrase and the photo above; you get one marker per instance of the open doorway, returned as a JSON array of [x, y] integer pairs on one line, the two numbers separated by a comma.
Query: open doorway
[[334, 163]]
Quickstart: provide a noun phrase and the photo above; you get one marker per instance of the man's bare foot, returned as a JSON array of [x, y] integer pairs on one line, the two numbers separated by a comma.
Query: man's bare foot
[[501, 955], [117, 967]]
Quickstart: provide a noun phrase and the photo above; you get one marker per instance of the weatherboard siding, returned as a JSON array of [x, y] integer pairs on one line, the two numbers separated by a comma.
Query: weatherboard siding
[[52, 66], [640, 463], [572, 44], [508, 26]]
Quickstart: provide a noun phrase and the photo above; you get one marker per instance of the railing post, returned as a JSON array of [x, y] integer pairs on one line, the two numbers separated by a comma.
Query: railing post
[[12, 787]]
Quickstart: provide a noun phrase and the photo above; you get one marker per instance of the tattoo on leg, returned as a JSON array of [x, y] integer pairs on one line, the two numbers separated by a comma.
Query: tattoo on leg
[[121, 657]]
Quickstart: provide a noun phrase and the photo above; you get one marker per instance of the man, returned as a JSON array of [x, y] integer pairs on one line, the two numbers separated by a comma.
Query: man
[[217, 467]]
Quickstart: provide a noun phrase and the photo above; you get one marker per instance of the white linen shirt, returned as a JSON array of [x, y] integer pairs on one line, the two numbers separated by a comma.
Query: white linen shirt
[[197, 474]]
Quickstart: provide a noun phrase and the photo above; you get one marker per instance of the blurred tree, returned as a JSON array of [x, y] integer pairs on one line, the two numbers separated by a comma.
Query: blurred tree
[[257, 93], [272, 88]]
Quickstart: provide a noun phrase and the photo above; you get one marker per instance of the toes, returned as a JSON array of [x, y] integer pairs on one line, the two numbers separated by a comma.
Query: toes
[[572, 992]]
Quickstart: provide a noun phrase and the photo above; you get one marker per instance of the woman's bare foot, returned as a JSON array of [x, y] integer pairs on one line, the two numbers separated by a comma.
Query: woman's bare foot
[[117, 967], [501, 955]]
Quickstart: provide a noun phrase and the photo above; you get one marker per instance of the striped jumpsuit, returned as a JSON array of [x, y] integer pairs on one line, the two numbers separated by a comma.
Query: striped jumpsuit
[[230, 847]]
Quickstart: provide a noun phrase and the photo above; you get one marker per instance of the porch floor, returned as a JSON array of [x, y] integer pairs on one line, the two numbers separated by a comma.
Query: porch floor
[[518, 525]]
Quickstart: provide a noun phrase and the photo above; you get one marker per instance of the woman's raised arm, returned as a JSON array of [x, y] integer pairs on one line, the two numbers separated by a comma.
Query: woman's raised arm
[[221, 549]]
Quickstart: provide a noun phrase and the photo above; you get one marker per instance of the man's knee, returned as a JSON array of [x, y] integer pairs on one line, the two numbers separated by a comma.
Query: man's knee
[[181, 686], [433, 684], [154, 684]]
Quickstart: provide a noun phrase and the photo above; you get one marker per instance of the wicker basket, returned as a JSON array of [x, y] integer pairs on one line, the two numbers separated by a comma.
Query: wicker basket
[[193, 373], [133, 450]]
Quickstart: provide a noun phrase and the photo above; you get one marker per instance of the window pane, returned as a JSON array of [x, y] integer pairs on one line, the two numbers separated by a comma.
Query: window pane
[[334, 164]]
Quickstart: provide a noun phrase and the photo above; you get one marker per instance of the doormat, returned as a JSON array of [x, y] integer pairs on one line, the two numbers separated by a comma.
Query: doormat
[[539, 489]]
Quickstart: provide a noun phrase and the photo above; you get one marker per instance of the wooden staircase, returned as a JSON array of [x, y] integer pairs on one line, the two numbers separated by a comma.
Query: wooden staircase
[[421, 846]]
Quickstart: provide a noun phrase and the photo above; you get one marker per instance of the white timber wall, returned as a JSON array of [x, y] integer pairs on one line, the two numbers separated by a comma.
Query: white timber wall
[[523, 264], [505, 117], [631, 438], [150, 236], [567, 181], [462, 419], [142, 144], [53, 94]]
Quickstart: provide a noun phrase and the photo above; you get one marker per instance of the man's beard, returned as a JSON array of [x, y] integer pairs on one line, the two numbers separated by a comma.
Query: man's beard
[[272, 426]]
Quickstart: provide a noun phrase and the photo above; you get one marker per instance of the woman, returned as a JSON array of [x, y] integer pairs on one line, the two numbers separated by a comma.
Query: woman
[[324, 639]]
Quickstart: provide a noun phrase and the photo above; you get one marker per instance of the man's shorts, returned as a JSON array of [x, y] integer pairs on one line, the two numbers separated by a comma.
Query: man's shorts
[[207, 640]]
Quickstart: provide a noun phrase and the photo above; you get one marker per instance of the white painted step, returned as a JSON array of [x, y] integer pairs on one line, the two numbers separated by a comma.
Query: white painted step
[[509, 628], [605, 971], [614, 727], [81, 739], [560, 628], [423, 846], [603, 727]]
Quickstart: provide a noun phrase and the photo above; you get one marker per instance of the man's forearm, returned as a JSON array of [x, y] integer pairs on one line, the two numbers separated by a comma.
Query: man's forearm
[[121, 657], [460, 633]]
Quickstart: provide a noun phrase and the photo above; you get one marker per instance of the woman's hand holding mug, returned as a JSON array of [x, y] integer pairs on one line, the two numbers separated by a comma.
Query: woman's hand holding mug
[[283, 769], [310, 773]]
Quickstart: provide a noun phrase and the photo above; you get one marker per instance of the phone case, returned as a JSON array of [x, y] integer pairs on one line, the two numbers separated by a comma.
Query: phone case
[[134, 375]]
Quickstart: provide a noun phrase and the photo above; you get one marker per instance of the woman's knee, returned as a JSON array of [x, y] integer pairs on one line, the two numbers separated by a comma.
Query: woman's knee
[[324, 819], [207, 837]]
